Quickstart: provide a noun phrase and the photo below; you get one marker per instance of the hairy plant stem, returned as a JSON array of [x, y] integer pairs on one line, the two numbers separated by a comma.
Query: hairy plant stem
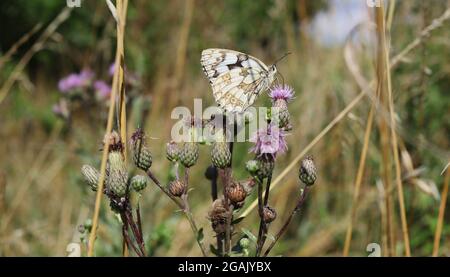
[[226, 177], [283, 229], [261, 215], [263, 226], [213, 174], [128, 222], [164, 189], [184, 205], [188, 213]]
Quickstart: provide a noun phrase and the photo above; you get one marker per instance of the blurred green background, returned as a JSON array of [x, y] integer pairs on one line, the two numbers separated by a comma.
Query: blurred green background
[[43, 198]]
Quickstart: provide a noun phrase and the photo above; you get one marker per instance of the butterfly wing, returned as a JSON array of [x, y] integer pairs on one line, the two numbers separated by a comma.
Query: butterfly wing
[[236, 78]]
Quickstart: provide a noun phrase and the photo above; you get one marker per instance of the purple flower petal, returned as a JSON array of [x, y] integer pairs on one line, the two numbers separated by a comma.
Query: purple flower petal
[[269, 140], [102, 89], [284, 92]]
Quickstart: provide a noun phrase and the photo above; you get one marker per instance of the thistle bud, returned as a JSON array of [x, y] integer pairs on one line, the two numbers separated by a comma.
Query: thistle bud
[[118, 175], [252, 167], [236, 193], [218, 216], [220, 154], [91, 176], [177, 188], [307, 172], [283, 113], [244, 243], [269, 214], [189, 154], [172, 151], [141, 154], [266, 165], [138, 182]]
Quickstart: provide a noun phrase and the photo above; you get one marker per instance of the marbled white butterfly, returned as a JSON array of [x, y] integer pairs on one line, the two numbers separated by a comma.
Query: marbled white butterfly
[[236, 78]]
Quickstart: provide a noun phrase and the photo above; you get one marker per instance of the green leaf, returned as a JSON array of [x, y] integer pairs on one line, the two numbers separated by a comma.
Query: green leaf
[[270, 237], [237, 220], [249, 234], [214, 250], [200, 235]]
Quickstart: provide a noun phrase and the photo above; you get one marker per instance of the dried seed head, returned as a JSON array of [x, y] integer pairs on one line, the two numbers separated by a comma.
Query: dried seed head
[[236, 193], [91, 176], [141, 154], [172, 151], [189, 154], [118, 175], [307, 172], [138, 182], [269, 214], [220, 154], [177, 188], [218, 216]]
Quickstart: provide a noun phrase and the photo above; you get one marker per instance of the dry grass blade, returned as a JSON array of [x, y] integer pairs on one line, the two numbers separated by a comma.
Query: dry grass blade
[[394, 143], [19, 43], [395, 61], [117, 83], [355, 70], [440, 221], [37, 46]]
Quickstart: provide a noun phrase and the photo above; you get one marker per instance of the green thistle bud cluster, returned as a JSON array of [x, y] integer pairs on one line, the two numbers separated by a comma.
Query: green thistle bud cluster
[[172, 151], [91, 176], [189, 154], [244, 243], [261, 167], [307, 172], [138, 182], [141, 154], [252, 167], [118, 175], [220, 154]]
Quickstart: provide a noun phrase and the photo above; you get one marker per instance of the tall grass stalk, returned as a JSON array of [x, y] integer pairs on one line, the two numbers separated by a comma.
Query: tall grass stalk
[[117, 83], [425, 33], [440, 220], [386, 77], [383, 128]]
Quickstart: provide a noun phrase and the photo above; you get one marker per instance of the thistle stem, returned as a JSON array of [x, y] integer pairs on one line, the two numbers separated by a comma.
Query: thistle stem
[[264, 227], [283, 229], [188, 213], [165, 190], [261, 214]]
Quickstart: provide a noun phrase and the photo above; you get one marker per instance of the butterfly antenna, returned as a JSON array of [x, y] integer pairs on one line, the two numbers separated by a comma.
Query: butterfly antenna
[[282, 57], [279, 77]]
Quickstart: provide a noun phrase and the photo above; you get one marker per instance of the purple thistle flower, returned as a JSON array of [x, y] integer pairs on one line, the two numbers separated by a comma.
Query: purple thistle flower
[[283, 92], [75, 81], [269, 140], [102, 89]]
